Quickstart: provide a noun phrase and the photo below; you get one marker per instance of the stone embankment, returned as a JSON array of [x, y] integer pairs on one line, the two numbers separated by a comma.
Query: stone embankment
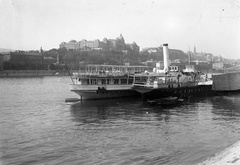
[[229, 156], [32, 73]]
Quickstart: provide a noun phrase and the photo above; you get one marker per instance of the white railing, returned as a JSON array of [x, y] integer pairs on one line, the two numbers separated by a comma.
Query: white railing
[[101, 74]]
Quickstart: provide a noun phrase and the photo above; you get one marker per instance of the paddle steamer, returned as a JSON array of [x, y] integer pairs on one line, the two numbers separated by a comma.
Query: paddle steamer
[[172, 81]]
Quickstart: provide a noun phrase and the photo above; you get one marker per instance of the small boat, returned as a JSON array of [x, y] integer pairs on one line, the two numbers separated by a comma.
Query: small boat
[[168, 101]]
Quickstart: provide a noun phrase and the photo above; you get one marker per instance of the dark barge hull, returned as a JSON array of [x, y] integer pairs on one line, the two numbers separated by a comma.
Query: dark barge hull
[[196, 91], [227, 92], [106, 94]]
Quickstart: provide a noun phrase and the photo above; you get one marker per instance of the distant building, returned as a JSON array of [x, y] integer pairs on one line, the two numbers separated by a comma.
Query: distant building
[[21, 60], [202, 56], [194, 49], [151, 50], [150, 63], [73, 44], [93, 45], [217, 66], [117, 44], [209, 57], [134, 47]]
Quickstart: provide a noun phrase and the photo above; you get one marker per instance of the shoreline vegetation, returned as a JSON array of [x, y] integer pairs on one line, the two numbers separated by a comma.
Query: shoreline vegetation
[[45, 60]]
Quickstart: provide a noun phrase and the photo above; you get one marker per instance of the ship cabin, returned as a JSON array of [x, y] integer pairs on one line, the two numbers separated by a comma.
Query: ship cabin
[[98, 69], [107, 74], [173, 78]]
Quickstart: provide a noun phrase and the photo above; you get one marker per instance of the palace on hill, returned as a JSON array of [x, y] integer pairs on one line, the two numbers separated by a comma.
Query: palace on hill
[[117, 44]]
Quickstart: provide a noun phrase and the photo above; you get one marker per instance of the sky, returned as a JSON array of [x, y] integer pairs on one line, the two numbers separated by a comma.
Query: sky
[[213, 26]]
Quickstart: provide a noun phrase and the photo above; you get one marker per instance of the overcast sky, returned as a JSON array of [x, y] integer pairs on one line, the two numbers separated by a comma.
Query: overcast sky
[[212, 25]]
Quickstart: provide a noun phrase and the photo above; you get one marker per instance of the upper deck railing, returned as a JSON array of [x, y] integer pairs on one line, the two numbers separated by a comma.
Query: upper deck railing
[[99, 74]]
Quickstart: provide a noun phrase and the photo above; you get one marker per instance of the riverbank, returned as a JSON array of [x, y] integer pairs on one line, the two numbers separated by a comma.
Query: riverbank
[[32, 73], [230, 155]]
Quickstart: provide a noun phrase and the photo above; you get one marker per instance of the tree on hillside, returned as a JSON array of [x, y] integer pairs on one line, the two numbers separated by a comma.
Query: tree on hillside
[[51, 53], [73, 57], [62, 51], [97, 57], [114, 57]]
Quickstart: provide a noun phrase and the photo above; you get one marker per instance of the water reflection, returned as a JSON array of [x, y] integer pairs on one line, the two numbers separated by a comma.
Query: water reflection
[[116, 109], [35, 121], [100, 111], [189, 132], [226, 106], [226, 102]]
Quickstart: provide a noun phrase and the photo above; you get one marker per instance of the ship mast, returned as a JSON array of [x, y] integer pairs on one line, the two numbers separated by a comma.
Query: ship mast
[[189, 56]]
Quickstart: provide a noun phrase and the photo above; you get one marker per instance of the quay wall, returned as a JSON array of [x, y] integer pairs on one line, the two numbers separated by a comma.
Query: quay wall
[[32, 73]]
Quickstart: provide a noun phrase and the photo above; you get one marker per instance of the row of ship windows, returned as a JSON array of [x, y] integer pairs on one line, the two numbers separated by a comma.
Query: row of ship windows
[[189, 90], [105, 81]]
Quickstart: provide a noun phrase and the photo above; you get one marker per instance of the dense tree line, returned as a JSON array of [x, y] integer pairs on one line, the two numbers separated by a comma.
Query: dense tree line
[[72, 58]]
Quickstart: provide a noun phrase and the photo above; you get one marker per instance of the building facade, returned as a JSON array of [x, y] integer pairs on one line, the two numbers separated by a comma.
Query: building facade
[[20, 60], [73, 44], [151, 50], [217, 66], [117, 44], [134, 47]]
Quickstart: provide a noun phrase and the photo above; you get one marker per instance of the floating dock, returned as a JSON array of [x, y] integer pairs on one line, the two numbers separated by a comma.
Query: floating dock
[[226, 81]]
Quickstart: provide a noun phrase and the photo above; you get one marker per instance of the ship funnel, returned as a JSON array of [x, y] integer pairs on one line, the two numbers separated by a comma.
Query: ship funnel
[[165, 57]]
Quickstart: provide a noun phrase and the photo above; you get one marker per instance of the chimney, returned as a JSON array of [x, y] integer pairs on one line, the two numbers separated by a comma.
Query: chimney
[[165, 57]]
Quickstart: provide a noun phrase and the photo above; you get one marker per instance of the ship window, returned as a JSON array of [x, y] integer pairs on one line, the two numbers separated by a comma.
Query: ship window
[[123, 81], [104, 81], [93, 81], [116, 81], [130, 81]]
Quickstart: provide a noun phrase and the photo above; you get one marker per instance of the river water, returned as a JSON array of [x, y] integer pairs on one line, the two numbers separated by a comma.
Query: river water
[[38, 127]]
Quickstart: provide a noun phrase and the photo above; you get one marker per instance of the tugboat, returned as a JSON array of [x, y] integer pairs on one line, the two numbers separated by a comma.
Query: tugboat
[[171, 81]]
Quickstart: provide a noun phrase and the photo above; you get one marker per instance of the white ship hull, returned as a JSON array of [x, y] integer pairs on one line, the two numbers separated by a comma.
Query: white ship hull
[[91, 92], [105, 81]]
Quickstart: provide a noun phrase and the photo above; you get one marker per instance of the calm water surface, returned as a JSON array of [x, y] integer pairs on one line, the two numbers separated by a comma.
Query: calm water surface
[[38, 127]]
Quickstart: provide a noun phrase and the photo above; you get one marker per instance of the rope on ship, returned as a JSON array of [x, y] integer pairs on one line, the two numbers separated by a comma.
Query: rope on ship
[[69, 74]]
